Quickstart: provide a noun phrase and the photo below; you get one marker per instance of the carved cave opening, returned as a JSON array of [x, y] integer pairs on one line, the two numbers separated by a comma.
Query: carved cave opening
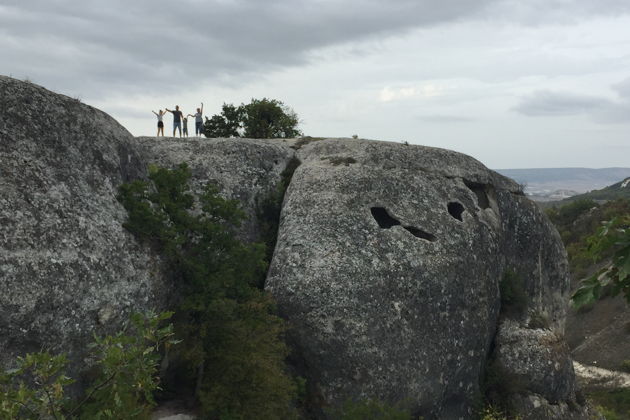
[[386, 221], [456, 210]]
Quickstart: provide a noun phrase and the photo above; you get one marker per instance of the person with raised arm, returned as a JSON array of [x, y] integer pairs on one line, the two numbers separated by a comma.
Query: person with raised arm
[[198, 120], [160, 122], [177, 120]]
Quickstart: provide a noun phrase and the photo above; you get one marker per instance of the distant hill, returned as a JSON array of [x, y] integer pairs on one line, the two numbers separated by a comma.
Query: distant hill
[[613, 192], [545, 184]]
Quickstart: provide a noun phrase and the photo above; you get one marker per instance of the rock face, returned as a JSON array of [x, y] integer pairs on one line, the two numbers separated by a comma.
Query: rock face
[[67, 267], [246, 170], [388, 265]]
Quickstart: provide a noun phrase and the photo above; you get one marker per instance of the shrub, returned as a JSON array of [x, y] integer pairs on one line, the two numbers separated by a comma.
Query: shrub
[[233, 339], [127, 375]]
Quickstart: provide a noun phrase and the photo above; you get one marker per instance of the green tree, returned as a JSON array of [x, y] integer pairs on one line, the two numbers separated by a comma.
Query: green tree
[[233, 339], [224, 125], [613, 237], [266, 119], [261, 118]]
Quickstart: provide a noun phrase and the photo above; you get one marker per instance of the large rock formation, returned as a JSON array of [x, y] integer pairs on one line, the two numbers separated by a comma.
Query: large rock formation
[[388, 263], [246, 170], [388, 266], [68, 269]]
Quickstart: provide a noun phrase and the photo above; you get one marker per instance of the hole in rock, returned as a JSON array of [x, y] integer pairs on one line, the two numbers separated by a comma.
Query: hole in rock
[[386, 221], [480, 192], [383, 218], [455, 209], [419, 233]]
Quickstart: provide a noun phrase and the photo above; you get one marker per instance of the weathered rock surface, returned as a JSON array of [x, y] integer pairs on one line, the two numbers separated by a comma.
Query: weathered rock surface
[[246, 170], [68, 269], [388, 266], [388, 262]]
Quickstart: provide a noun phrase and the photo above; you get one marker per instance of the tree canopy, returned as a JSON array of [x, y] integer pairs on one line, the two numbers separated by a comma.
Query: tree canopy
[[261, 118]]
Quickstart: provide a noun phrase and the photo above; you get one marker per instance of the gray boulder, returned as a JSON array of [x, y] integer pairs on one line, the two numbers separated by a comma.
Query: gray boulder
[[388, 265], [246, 170], [68, 269]]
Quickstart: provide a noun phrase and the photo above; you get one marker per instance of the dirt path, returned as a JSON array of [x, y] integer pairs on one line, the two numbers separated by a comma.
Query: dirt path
[[593, 376]]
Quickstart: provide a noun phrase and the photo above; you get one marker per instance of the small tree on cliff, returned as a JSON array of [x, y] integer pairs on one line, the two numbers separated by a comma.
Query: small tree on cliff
[[261, 118]]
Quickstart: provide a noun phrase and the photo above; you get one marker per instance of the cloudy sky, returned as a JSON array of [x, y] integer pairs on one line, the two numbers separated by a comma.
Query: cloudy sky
[[513, 83]]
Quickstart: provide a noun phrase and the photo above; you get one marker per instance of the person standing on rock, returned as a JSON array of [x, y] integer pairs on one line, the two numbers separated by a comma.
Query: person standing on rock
[[198, 120], [177, 119], [185, 123], [160, 122]]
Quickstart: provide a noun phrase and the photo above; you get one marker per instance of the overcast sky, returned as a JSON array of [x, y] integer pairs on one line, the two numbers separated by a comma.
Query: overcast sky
[[513, 83]]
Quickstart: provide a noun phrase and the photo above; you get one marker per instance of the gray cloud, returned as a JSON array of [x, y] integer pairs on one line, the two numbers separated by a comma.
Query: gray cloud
[[623, 88], [90, 47], [602, 110], [547, 103], [444, 119]]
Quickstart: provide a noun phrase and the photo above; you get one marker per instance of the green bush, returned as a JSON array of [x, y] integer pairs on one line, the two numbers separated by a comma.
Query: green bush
[[127, 375], [625, 366], [233, 341]]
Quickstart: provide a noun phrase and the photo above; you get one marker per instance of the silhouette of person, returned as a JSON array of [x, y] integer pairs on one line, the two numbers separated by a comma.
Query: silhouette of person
[[185, 123], [160, 122], [177, 120]]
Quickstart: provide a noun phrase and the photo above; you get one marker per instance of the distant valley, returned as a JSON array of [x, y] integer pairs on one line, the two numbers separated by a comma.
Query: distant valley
[[553, 184]]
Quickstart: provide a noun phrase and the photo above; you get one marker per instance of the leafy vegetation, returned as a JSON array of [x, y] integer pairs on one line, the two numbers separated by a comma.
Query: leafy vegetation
[[261, 118], [597, 238], [233, 341], [577, 222], [127, 375], [611, 241], [225, 125], [613, 404]]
